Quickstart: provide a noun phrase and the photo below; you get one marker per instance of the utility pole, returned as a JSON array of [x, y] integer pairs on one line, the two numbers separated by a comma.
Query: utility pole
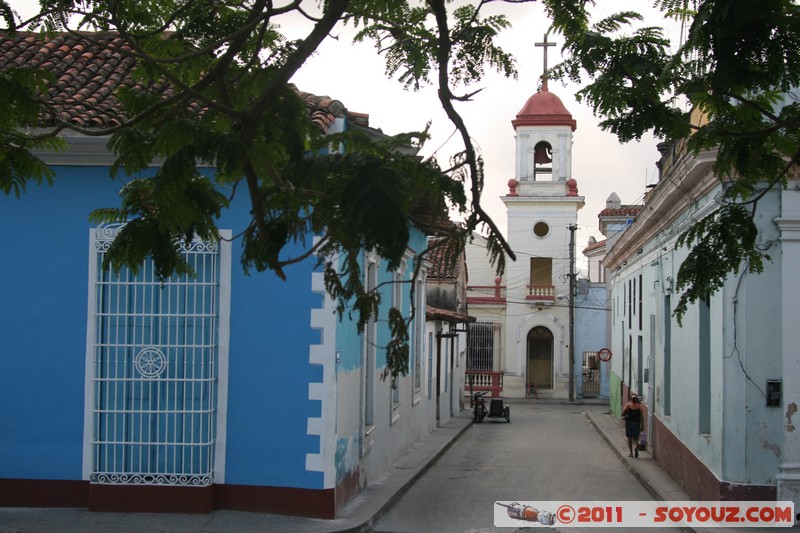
[[572, 228]]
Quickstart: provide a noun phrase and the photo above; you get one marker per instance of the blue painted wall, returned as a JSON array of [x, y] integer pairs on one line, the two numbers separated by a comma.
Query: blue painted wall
[[268, 403], [275, 342], [43, 299], [43, 316]]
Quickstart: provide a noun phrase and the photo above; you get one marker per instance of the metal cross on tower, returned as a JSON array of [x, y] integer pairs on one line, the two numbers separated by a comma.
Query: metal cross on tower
[[545, 45]]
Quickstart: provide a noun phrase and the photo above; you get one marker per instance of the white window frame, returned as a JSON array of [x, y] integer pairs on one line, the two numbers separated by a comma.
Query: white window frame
[[146, 365], [397, 302], [369, 352], [419, 334]]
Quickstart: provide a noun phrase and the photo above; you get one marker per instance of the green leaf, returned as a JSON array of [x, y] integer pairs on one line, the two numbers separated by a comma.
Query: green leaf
[[720, 244]]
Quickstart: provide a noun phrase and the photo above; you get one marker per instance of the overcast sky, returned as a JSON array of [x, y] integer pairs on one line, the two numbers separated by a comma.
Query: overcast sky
[[355, 75], [600, 164]]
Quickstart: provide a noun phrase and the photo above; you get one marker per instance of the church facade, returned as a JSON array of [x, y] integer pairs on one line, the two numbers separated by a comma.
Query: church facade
[[523, 318]]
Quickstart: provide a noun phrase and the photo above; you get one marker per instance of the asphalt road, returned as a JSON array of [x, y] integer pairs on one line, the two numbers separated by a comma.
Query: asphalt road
[[547, 453]]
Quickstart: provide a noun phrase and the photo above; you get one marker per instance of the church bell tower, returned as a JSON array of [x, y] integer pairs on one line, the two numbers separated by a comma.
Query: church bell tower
[[542, 207]]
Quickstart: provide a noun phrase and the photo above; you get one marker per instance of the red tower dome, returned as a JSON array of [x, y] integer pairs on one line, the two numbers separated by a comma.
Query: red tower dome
[[544, 109]]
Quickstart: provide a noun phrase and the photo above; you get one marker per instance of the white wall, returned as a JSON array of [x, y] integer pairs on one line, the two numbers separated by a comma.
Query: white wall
[[743, 442]]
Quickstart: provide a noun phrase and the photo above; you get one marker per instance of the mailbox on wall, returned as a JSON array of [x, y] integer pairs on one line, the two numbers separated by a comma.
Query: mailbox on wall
[[773, 393]]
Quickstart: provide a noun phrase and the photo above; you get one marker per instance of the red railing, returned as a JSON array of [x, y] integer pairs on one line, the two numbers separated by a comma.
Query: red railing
[[484, 380], [487, 294]]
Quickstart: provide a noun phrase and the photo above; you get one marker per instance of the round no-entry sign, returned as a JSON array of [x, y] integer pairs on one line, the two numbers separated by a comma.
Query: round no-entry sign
[[604, 355]]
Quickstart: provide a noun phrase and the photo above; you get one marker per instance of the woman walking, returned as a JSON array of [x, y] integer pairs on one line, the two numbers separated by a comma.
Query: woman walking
[[634, 424]]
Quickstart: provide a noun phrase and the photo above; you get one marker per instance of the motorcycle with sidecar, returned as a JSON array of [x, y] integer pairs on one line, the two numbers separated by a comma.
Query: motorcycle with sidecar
[[497, 408]]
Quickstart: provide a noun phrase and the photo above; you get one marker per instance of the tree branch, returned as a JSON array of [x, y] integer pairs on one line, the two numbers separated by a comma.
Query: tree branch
[[446, 97]]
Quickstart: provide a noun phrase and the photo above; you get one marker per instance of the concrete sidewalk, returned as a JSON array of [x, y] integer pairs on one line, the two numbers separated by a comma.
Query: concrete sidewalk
[[655, 481], [358, 515]]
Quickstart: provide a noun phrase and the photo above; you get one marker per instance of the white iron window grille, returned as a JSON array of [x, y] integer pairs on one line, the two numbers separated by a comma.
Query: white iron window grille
[[483, 342], [154, 357]]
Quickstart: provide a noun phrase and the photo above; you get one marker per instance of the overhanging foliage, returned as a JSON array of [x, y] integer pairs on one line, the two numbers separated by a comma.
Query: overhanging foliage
[[211, 87], [738, 66]]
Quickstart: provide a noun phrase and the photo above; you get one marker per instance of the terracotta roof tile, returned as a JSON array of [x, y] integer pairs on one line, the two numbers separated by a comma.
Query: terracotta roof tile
[[81, 66], [442, 265], [324, 110], [89, 68], [622, 211], [435, 313], [595, 246]]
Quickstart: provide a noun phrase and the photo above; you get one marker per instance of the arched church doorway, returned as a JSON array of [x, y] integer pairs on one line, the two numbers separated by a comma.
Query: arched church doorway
[[540, 358]]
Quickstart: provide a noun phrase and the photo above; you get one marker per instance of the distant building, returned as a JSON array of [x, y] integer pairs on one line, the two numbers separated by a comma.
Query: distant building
[[523, 322], [594, 252], [447, 325], [593, 300]]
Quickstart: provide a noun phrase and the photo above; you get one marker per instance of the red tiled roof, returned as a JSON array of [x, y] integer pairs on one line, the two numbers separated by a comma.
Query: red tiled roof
[[89, 68], [442, 265], [544, 109], [595, 246], [86, 72], [323, 110], [623, 211], [436, 313]]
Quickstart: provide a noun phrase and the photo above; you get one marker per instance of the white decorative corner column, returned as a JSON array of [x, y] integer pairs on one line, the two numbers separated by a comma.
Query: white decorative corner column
[[323, 319], [788, 479]]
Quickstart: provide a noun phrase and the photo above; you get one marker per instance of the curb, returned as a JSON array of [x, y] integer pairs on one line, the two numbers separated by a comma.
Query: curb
[[628, 466], [643, 481], [558, 401], [366, 526]]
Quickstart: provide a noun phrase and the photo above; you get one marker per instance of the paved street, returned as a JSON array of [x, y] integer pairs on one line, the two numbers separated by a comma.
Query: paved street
[[547, 452]]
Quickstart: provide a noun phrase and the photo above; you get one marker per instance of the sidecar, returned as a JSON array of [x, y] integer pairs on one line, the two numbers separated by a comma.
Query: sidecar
[[499, 409]]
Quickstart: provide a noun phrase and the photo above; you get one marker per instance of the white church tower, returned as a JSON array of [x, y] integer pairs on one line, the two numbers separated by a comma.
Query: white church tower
[[542, 206]]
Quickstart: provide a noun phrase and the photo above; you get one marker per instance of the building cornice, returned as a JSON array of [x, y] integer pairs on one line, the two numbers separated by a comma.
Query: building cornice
[[689, 179], [789, 228], [523, 201], [81, 150]]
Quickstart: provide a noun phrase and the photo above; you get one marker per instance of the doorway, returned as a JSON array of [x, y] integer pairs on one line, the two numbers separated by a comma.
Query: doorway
[[540, 359]]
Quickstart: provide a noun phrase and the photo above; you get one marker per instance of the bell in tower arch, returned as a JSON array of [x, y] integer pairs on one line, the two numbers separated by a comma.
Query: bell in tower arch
[[542, 161], [542, 153]]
